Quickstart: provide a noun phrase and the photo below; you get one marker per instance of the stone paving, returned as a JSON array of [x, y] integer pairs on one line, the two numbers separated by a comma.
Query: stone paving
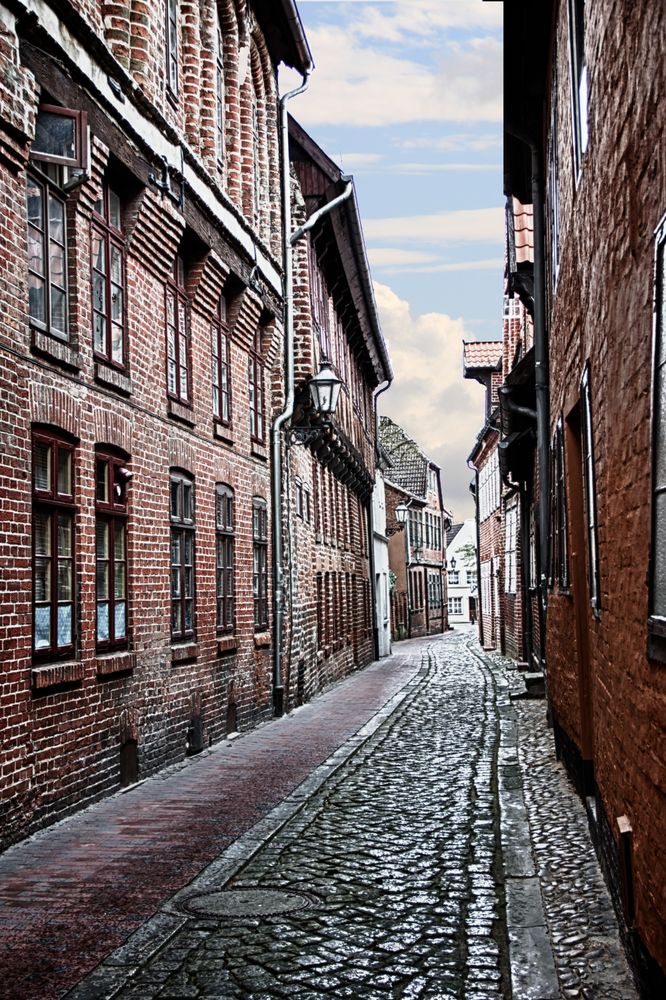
[[397, 855]]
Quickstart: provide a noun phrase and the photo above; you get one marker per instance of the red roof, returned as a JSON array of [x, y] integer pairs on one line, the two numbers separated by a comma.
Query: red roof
[[523, 227], [482, 353]]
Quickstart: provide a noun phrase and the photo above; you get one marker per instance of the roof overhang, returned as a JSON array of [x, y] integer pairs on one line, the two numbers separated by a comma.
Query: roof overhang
[[284, 32]]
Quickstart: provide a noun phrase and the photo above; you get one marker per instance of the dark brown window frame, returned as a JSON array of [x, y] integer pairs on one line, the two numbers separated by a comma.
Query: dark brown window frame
[[559, 553], [182, 529], [177, 295], [224, 558], [590, 489], [260, 563], [256, 390], [113, 513], [111, 238], [54, 505], [221, 347], [656, 637], [80, 118], [50, 191]]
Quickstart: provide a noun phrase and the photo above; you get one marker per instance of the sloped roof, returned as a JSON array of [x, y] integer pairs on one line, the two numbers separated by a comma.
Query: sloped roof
[[409, 465], [482, 354], [452, 532], [523, 232]]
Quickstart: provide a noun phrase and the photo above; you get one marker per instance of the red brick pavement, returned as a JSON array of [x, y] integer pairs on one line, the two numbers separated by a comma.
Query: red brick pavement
[[72, 894]]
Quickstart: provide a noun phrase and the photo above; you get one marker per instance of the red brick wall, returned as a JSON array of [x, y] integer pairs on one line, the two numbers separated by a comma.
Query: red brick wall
[[63, 728], [603, 312]]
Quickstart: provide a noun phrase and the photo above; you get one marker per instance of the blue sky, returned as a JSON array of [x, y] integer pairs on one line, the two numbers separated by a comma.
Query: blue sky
[[407, 96]]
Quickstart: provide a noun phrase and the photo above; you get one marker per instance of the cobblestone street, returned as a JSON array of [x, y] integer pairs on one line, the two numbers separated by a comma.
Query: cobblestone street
[[421, 859]]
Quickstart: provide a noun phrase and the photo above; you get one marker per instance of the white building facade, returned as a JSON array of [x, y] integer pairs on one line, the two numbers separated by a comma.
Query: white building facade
[[461, 557]]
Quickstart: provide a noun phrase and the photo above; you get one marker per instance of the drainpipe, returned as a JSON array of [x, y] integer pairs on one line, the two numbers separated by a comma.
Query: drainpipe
[[371, 525], [288, 241], [276, 444]]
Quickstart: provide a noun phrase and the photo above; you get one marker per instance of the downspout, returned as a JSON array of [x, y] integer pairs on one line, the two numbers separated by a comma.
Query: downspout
[[479, 599], [276, 443], [288, 241]]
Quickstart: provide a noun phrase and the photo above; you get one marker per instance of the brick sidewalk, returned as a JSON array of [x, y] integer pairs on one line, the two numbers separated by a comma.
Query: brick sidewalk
[[74, 893]]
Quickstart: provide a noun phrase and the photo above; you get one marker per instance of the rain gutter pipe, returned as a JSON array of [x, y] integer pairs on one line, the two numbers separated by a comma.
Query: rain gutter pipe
[[288, 241]]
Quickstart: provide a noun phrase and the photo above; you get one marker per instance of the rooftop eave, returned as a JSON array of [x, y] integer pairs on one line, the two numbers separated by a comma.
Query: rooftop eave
[[285, 35]]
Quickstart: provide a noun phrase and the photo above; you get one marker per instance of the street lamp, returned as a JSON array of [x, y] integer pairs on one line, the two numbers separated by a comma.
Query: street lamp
[[401, 513], [452, 563], [324, 392]]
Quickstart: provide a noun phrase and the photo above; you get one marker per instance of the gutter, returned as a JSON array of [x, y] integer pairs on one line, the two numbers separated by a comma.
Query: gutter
[[288, 241], [298, 34]]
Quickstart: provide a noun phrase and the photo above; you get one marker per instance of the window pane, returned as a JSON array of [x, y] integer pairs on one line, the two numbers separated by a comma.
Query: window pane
[[175, 499], [120, 623], [119, 542], [42, 466], [58, 310], [99, 292], [102, 581], [36, 298], [175, 583], [117, 343], [42, 579], [64, 536], [114, 210], [119, 580], [64, 472], [101, 481], [55, 135], [57, 220], [175, 550], [65, 581], [35, 200], [175, 617], [103, 622], [188, 502], [57, 265], [102, 540], [189, 582], [65, 625], [43, 627], [116, 265], [659, 556], [99, 333], [189, 616], [35, 250]]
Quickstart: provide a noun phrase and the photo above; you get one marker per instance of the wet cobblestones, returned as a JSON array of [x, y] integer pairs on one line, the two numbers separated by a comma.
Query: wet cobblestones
[[398, 851]]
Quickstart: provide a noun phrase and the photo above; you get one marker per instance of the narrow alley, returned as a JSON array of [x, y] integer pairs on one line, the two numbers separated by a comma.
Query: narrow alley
[[405, 862]]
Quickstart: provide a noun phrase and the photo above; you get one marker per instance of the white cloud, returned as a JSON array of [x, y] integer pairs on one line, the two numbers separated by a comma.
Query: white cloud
[[465, 226], [393, 256], [409, 266], [376, 163], [429, 397], [356, 161], [359, 82], [459, 143]]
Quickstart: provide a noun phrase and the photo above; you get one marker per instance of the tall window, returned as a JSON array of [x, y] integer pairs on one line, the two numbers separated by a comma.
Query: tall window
[[182, 556], [510, 561], [256, 390], [260, 562], [219, 110], [578, 79], [256, 157], [111, 478], [47, 257], [221, 381], [178, 335], [224, 561], [108, 278], [172, 45], [455, 605], [559, 544], [53, 546], [589, 479], [657, 622]]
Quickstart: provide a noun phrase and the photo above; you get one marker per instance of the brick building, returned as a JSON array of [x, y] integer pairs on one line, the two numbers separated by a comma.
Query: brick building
[[584, 127], [417, 554], [330, 475], [141, 343]]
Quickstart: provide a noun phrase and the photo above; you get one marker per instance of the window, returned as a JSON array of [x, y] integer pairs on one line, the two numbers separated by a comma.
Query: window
[[108, 278], [471, 579], [589, 480], [489, 487], [455, 606], [434, 590], [510, 562], [260, 562], [221, 381], [307, 506], [178, 335], [559, 569], [53, 546], [182, 555], [172, 45], [61, 136], [47, 257], [454, 577], [256, 389], [415, 530], [224, 560], [657, 623], [578, 80], [299, 498], [219, 111], [111, 479]]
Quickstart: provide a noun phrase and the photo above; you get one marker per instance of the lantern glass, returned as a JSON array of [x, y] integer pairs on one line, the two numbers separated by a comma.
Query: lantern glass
[[325, 390], [401, 513]]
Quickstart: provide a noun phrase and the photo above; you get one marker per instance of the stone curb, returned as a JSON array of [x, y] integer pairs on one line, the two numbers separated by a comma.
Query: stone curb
[[115, 973], [531, 958]]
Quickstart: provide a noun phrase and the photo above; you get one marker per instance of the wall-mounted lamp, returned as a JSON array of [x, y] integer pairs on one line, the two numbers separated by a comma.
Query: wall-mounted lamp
[[325, 392], [452, 563], [401, 513]]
